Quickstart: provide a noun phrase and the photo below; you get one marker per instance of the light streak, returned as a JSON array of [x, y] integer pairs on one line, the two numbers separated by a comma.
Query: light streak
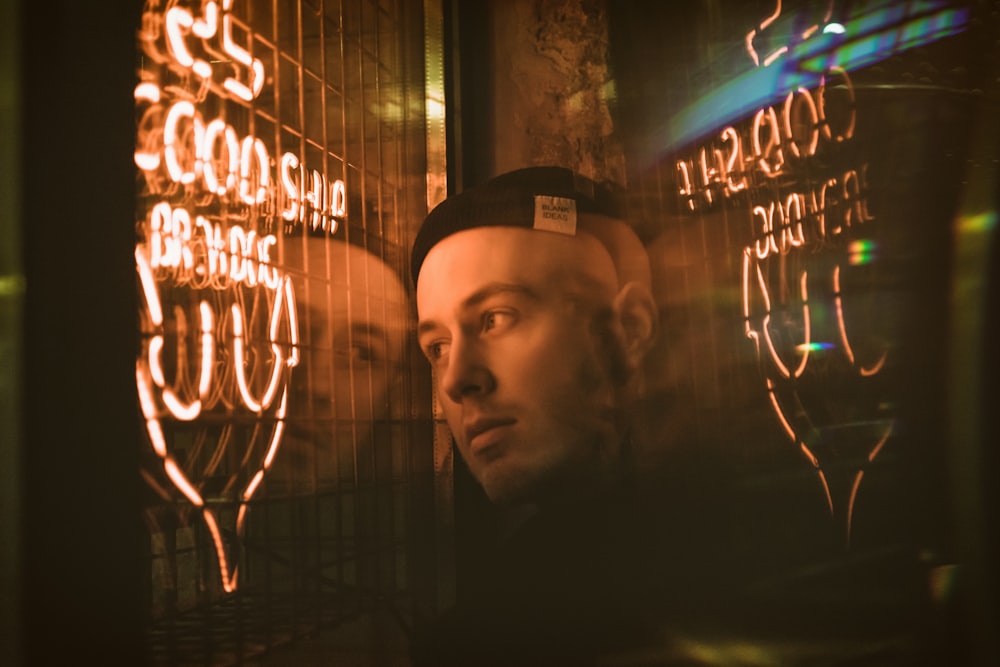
[[179, 110], [241, 56], [148, 282], [734, 162], [252, 486], [147, 92], [215, 130], [155, 367], [789, 431], [178, 409], [181, 482], [289, 164], [864, 371], [874, 31], [760, 28], [857, 478], [207, 349], [279, 429], [228, 580], [208, 165], [253, 150], [803, 94], [240, 365], [803, 347], [206, 27], [773, 145]]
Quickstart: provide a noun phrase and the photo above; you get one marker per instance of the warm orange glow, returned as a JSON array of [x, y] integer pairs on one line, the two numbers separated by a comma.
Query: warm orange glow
[[293, 329], [201, 242], [269, 275], [252, 486], [155, 367], [686, 190], [307, 194], [228, 581], [770, 130], [802, 347], [789, 431], [279, 429], [802, 94], [177, 112], [734, 163], [820, 474], [148, 283], [290, 165], [790, 220], [219, 129], [708, 174], [254, 154], [760, 28], [212, 158], [181, 482], [824, 122], [851, 498], [207, 349], [239, 353], [181, 411], [178, 21], [842, 328], [769, 117], [242, 56], [765, 242], [207, 27], [774, 55], [147, 92]]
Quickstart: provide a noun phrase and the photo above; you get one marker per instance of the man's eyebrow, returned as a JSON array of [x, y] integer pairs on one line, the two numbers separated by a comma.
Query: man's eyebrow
[[367, 329], [492, 289], [482, 294]]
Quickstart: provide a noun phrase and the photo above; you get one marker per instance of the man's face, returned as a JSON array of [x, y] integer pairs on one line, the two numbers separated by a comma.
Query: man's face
[[514, 324], [353, 322], [357, 326]]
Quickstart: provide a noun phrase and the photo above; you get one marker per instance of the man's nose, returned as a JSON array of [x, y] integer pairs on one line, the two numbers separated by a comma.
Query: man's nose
[[468, 373]]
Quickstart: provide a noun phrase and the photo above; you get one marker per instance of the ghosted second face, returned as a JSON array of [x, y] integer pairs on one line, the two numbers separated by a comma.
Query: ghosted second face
[[353, 319]]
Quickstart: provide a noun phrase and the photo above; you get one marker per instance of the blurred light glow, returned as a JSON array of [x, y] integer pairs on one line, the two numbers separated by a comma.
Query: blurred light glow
[[983, 222], [814, 346], [873, 32]]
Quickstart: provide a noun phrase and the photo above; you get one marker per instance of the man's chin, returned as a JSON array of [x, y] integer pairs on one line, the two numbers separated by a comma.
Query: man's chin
[[507, 486]]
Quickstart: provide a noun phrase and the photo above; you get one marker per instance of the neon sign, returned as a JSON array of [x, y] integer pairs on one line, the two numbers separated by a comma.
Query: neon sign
[[217, 314], [179, 148], [812, 238], [790, 51]]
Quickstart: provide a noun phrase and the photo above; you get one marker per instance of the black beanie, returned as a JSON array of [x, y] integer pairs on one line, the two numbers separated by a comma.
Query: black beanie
[[547, 198]]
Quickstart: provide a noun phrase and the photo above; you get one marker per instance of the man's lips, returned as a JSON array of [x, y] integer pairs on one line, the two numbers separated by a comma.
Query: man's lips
[[482, 433]]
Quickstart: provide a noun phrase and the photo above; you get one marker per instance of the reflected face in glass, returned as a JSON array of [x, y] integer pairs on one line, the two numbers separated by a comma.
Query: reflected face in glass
[[513, 322], [353, 317]]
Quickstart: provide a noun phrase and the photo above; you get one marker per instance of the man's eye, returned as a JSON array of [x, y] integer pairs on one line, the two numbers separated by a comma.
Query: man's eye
[[497, 319], [362, 350], [436, 351], [363, 353]]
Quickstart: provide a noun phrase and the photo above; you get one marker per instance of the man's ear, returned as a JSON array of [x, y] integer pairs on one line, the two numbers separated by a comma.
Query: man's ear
[[637, 315]]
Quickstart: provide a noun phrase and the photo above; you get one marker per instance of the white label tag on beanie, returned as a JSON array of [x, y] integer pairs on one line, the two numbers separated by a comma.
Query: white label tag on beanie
[[555, 214]]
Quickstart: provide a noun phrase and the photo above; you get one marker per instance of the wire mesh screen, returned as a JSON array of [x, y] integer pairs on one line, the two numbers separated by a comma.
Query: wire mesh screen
[[281, 153]]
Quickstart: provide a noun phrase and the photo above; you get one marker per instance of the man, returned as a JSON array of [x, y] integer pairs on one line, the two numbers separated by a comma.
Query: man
[[534, 310], [353, 315]]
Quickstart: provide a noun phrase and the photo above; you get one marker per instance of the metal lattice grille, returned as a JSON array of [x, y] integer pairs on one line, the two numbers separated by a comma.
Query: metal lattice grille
[[281, 151]]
